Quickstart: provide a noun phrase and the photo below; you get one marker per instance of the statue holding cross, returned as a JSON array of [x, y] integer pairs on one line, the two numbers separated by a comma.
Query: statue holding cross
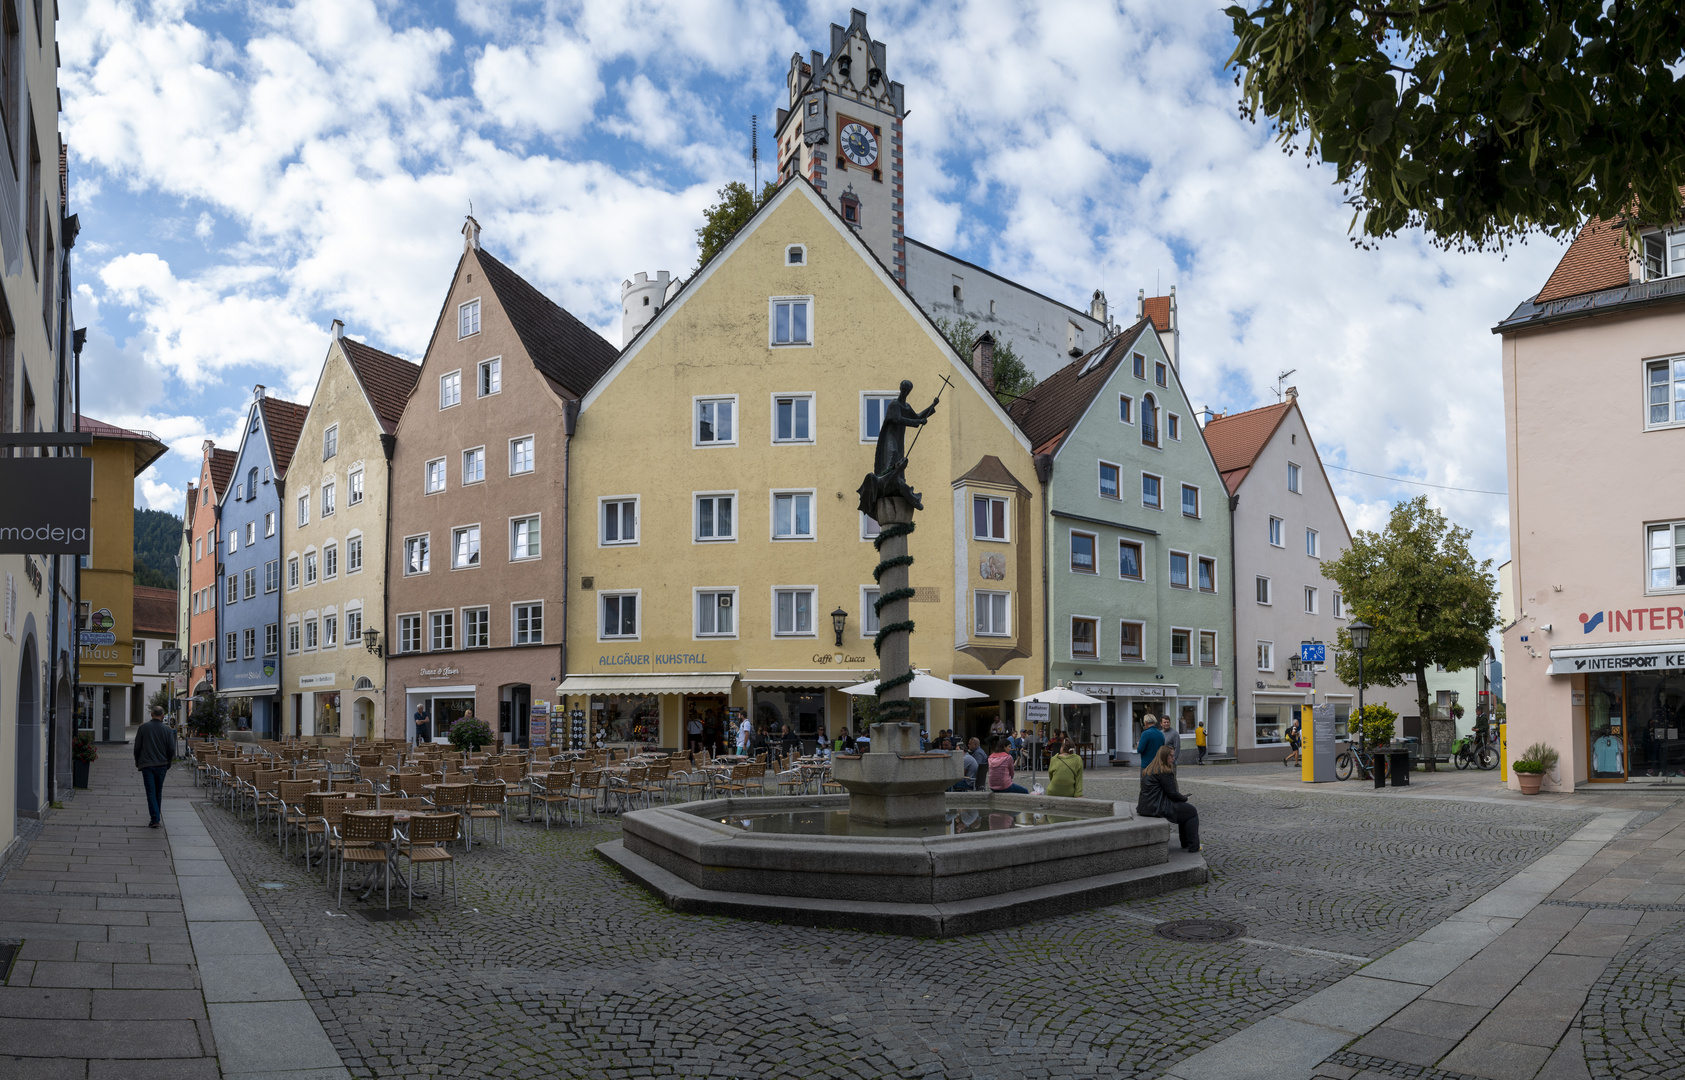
[[888, 478]]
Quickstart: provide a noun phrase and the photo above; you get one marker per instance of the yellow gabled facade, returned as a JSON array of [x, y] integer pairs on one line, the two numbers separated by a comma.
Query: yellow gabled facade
[[744, 540]]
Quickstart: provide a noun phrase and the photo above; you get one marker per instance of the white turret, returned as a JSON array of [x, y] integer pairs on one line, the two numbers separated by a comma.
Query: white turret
[[641, 299]]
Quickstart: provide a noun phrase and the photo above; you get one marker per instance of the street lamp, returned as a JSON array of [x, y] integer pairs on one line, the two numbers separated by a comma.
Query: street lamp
[[1359, 632], [838, 618], [371, 641]]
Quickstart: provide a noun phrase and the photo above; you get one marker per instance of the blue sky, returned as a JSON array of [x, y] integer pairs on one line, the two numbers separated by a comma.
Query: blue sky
[[245, 173]]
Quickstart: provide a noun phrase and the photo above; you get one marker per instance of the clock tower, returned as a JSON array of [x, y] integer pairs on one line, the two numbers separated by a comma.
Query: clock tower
[[842, 131]]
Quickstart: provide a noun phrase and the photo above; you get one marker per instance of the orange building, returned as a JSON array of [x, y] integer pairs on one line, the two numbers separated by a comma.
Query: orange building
[[216, 472]]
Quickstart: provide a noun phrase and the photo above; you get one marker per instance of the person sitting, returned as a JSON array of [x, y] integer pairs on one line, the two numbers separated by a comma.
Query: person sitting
[[970, 781], [1160, 797], [847, 744], [1001, 774], [1064, 773]]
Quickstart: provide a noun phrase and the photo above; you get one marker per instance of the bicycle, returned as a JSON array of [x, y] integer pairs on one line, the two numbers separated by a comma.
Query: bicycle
[[1351, 760], [1473, 750]]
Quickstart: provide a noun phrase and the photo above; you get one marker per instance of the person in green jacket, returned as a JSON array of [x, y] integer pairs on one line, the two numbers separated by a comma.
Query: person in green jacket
[[1064, 772]]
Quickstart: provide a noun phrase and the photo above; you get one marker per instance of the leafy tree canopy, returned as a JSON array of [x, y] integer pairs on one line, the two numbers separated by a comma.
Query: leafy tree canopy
[[1477, 120], [1012, 378], [1428, 600], [722, 220]]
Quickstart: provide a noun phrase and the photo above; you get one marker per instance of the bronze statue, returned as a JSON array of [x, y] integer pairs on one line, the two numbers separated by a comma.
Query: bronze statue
[[888, 478]]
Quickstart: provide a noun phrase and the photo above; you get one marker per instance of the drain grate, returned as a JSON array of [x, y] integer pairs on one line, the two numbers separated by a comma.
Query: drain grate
[[397, 914], [1201, 931]]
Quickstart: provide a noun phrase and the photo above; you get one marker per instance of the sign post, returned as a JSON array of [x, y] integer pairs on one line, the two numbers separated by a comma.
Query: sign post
[[1316, 758]]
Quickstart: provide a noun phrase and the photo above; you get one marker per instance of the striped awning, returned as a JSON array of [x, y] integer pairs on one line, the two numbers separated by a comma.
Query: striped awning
[[685, 683]]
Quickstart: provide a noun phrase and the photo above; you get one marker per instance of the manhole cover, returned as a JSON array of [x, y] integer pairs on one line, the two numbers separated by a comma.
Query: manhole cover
[[271, 884], [1200, 930]]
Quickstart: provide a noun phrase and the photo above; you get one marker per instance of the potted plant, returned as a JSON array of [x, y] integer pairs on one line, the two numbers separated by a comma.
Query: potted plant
[[209, 716], [1531, 767], [83, 753], [470, 733]]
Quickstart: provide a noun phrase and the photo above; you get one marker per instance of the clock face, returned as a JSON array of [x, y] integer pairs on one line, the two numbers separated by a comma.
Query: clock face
[[859, 145]]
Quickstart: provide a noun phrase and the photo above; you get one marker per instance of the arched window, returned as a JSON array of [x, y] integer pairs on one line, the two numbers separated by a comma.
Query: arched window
[[1149, 421], [251, 484]]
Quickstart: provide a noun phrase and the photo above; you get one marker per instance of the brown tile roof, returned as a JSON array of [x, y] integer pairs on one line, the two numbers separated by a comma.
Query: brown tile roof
[[1054, 405], [155, 611], [152, 449], [1157, 308], [570, 353], [284, 420], [222, 470], [1597, 259], [386, 379], [1236, 441]]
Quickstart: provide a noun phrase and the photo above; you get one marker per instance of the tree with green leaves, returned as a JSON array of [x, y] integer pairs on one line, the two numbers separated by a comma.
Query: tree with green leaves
[[1430, 603], [1013, 379], [722, 220], [1477, 120]]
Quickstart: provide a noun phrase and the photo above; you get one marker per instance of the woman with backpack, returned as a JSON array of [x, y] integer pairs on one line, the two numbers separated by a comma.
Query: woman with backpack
[[1160, 797]]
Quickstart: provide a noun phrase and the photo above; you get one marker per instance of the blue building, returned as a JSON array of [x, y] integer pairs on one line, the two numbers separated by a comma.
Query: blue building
[[249, 570]]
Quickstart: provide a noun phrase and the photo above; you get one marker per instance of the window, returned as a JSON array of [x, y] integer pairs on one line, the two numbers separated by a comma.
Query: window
[[330, 631], [416, 556], [792, 515], [872, 408], [869, 621], [1292, 477], [1664, 254], [450, 389], [620, 521], [791, 317], [1160, 375], [1208, 648], [1190, 501], [251, 583], [1149, 421], [1129, 559], [251, 533], [992, 611], [272, 639], [330, 561], [529, 624], [231, 647], [1313, 543], [354, 488], [1207, 575], [491, 378], [1125, 409], [269, 522], [1266, 656], [272, 576], [233, 582], [354, 627], [1082, 553], [714, 518], [330, 442], [1667, 557], [474, 465], [304, 509], [520, 455], [198, 549], [441, 631], [524, 538], [435, 481], [1151, 496], [310, 568], [233, 541], [988, 518], [1310, 600], [1338, 604], [329, 500], [1276, 530], [137, 652], [1179, 647], [465, 547], [715, 421], [353, 554], [239, 492], [1138, 365], [409, 633], [714, 608], [1129, 638], [792, 419], [1264, 590], [620, 615], [1173, 426], [1178, 570], [468, 319], [792, 612], [292, 572], [1084, 633], [476, 628], [869, 527], [1108, 481], [795, 255], [1665, 381]]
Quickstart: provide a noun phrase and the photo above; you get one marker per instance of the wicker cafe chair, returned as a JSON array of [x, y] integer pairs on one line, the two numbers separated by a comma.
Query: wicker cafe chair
[[361, 837], [333, 815], [555, 791], [411, 803], [487, 802], [582, 790], [427, 840], [290, 815], [454, 798]]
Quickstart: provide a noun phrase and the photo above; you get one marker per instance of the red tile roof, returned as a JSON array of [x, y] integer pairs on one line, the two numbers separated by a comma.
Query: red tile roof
[[1053, 406], [284, 420], [222, 470], [1157, 308], [1236, 441], [1597, 259], [386, 379], [151, 451], [155, 611], [571, 354]]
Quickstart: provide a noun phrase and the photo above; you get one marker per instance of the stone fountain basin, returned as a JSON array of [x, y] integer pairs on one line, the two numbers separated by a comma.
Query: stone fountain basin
[[933, 886]]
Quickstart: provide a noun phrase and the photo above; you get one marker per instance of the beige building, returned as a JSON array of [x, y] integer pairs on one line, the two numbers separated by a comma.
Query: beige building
[[335, 566], [479, 503]]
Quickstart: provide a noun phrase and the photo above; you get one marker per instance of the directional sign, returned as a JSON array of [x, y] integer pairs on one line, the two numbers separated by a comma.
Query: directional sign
[[95, 637], [1312, 652]]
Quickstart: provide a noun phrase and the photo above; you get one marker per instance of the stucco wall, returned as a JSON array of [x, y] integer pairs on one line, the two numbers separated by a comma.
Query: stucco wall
[[239, 509]]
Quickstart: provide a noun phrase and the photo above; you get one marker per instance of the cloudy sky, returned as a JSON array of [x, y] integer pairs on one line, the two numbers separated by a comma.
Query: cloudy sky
[[247, 172]]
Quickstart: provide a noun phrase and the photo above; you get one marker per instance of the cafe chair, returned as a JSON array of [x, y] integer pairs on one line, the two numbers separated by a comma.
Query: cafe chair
[[487, 802], [427, 840], [363, 839]]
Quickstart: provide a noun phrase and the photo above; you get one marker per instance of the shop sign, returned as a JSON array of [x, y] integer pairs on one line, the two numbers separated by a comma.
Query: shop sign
[[440, 672], [1655, 661], [1037, 712], [1643, 618], [1113, 690], [46, 506], [307, 681], [838, 659], [649, 659]]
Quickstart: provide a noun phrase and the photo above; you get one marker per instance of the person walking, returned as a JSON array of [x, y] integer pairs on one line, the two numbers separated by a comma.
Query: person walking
[[1064, 773], [1161, 797], [1001, 774], [744, 733], [155, 748], [1152, 737], [1199, 740], [1293, 757], [693, 728]]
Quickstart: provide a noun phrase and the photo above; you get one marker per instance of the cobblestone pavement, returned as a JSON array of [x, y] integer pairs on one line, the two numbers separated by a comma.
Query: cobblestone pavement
[[553, 965], [1633, 1023]]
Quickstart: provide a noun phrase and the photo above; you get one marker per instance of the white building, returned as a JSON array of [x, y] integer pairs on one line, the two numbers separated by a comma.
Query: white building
[[156, 628]]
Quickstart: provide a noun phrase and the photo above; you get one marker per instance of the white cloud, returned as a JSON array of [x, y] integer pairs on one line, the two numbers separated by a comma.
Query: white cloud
[[157, 495], [548, 86]]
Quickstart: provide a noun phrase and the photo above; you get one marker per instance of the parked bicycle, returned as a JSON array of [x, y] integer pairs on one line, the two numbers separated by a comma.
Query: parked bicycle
[[1353, 759]]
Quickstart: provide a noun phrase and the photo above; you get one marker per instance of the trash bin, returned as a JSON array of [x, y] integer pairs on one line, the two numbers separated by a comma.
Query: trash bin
[[1378, 768], [1400, 767]]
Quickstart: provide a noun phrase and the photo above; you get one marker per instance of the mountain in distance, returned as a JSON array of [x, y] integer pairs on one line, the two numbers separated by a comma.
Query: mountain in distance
[[157, 543]]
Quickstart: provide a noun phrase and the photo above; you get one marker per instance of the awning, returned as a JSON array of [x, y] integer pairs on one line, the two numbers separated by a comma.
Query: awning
[[252, 691], [1616, 656], [688, 683], [797, 678]]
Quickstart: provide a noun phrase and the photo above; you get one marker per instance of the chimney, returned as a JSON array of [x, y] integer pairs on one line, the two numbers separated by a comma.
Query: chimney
[[1097, 307], [983, 359], [470, 235], [1205, 416], [1175, 333], [258, 392], [207, 446], [1292, 393], [337, 329]]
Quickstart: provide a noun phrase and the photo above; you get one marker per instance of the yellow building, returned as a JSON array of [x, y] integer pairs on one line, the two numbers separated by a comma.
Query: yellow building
[[107, 699], [715, 540]]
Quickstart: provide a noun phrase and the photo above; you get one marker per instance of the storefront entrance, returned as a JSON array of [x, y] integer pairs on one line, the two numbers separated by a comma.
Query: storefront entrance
[[803, 708], [1634, 725], [710, 712]]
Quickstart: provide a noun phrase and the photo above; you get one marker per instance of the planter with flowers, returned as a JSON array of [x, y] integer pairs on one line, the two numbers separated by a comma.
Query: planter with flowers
[[1531, 767]]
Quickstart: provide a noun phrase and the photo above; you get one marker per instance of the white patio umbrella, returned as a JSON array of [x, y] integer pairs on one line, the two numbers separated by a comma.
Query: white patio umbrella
[[924, 685], [1059, 695]]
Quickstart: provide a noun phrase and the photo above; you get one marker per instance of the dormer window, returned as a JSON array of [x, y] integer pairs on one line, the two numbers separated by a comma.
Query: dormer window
[[1664, 254]]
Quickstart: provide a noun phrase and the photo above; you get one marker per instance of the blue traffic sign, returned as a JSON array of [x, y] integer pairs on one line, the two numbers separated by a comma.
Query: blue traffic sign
[[1312, 652]]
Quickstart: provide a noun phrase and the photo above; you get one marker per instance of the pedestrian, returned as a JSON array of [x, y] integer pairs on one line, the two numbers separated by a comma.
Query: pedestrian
[[1001, 773], [1171, 738], [1293, 736], [1160, 797], [155, 748], [693, 728], [975, 749], [744, 733], [1152, 737], [1064, 773], [423, 729], [1199, 740]]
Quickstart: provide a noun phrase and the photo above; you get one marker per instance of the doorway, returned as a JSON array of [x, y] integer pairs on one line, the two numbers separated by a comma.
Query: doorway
[[29, 735], [518, 731]]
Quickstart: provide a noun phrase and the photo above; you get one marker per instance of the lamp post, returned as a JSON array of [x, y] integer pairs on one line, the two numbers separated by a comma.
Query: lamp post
[[839, 618], [371, 641], [1359, 632]]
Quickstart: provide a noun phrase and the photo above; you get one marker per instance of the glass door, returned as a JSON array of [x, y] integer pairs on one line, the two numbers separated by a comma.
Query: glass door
[[1605, 727], [1655, 716]]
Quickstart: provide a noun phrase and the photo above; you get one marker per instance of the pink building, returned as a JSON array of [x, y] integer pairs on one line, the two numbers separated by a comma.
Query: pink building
[[1594, 409]]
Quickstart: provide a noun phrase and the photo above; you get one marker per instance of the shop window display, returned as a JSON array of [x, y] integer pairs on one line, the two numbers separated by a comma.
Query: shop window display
[[628, 718], [327, 713]]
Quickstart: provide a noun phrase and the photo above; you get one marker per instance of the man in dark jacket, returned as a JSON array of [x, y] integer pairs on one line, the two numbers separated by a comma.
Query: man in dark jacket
[[981, 756], [155, 748]]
